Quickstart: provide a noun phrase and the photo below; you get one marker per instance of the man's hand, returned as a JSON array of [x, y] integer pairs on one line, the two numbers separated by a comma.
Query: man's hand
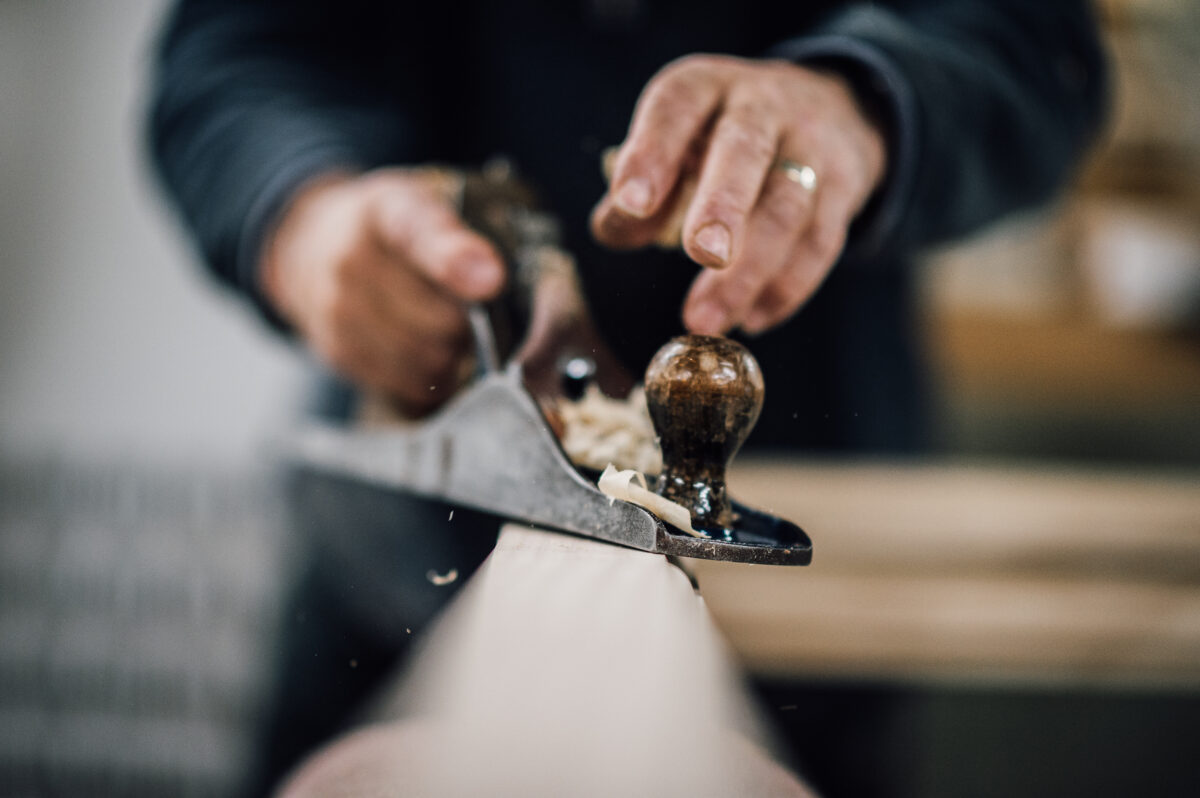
[[374, 272], [732, 125]]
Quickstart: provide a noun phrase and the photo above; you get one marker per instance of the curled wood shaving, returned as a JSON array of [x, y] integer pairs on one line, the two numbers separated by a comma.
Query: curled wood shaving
[[620, 485]]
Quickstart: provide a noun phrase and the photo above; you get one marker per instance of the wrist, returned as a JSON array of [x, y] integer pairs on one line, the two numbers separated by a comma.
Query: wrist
[[287, 233], [884, 93], [869, 106]]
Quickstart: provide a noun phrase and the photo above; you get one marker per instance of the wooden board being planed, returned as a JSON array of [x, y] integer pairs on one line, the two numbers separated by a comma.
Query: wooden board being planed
[[971, 573], [566, 667]]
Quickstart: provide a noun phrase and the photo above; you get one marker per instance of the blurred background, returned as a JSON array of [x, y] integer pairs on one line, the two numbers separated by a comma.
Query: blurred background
[[1073, 334], [140, 539]]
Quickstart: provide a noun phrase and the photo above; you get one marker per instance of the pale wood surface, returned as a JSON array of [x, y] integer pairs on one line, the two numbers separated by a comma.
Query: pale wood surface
[[566, 667], [971, 572]]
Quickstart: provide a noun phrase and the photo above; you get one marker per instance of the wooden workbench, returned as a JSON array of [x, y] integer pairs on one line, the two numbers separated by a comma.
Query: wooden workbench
[[972, 573]]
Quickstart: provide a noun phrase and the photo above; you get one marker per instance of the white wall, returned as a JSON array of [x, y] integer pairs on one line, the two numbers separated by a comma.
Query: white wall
[[111, 339]]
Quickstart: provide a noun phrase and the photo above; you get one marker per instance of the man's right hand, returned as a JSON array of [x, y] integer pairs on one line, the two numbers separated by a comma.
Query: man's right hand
[[374, 272]]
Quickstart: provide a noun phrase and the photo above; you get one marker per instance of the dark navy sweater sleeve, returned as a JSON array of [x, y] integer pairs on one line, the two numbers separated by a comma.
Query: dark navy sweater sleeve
[[251, 99], [987, 105]]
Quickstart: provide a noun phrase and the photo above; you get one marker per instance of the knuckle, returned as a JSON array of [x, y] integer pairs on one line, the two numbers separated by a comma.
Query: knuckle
[[784, 211], [686, 66], [804, 127], [387, 177], [681, 86], [838, 169], [387, 186], [759, 102], [705, 63], [747, 135], [775, 94], [671, 99], [784, 215], [403, 186], [727, 203]]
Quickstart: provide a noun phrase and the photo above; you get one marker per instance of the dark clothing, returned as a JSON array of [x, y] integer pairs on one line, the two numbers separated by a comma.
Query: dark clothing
[[346, 627], [987, 105]]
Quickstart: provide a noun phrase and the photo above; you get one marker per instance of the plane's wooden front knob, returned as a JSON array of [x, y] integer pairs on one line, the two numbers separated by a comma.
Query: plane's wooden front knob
[[704, 394]]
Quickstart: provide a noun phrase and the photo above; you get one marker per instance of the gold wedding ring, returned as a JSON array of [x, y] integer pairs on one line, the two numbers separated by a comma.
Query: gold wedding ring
[[798, 172]]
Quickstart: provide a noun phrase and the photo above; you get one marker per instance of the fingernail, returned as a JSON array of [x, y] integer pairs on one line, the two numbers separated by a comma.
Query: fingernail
[[634, 197], [707, 318], [713, 238]]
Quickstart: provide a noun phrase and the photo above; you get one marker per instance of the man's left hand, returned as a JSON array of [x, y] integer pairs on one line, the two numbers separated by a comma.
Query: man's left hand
[[782, 158]]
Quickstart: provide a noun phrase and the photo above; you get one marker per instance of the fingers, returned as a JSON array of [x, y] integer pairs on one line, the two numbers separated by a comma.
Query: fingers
[[671, 116], [396, 321], [807, 265], [373, 272], [721, 125], [417, 335], [421, 230], [372, 334], [414, 298], [719, 300], [417, 370], [741, 151], [778, 289], [620, 231]]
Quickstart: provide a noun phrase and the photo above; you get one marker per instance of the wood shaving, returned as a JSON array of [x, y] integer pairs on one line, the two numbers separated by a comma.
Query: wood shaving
[[441, 580], [617, 484], [598, 431]]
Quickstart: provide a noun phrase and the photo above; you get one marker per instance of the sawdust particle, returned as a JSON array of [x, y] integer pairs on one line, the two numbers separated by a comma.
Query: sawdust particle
[[442, 579]]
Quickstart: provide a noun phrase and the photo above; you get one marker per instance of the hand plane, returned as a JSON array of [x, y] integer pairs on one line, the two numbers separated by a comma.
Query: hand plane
[[493, 448]]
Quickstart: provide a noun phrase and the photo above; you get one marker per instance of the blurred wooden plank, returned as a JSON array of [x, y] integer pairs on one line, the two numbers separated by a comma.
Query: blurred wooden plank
[[565, 667], [974, 517], [971, 572], [1042, 631], [1062, 360]]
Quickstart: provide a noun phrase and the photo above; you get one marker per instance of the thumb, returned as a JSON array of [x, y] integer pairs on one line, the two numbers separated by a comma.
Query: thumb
[[422, 230]]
